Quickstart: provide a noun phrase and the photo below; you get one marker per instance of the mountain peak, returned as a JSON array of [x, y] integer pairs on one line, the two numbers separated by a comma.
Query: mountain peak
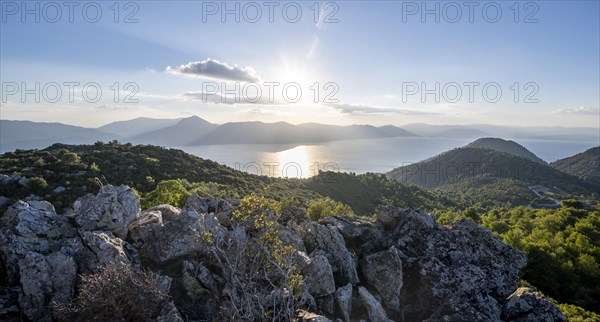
[[506, 146]]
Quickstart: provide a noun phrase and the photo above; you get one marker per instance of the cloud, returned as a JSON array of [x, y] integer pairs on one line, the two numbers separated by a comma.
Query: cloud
[[364, 109], [582, 110], [218, 98], [215, 69], [118, 108]]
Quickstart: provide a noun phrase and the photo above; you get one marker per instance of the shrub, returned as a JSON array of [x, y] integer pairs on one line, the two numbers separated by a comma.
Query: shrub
[[325, 207], [123, 292]]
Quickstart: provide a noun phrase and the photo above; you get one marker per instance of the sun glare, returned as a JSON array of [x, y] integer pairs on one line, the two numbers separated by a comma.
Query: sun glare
[[294, 163]]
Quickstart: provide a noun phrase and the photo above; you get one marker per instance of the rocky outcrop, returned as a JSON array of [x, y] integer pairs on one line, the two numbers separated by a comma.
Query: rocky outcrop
[[526, 305], [398, 265], [112, 209]]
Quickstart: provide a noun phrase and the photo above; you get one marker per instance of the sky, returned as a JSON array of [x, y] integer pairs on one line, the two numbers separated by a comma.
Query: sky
[[338, 62]]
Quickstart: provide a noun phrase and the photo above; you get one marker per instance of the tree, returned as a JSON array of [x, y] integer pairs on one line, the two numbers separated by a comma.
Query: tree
[[325, 207], [170, 192]]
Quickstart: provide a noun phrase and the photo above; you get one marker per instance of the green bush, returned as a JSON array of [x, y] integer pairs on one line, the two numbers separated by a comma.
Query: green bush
[[325, 207]]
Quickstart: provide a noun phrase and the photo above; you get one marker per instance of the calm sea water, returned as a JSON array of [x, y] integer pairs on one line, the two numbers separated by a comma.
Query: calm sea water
[[359, 156]]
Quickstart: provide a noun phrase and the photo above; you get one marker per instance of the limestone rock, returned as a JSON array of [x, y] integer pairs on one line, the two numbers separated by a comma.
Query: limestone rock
[[525, 305], [319, 276], [112, 209], [167, 212], [374, 308], [383, 271], [343, 297], [329, 239]]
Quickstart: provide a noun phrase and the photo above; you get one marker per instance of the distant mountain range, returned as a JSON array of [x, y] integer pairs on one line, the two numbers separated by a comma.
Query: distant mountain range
[[197, 131]]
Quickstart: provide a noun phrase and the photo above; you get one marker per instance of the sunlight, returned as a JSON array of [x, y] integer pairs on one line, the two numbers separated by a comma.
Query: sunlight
[[294, 163]]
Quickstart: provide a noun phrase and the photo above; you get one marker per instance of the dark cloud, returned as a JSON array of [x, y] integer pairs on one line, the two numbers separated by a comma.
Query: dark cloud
[[215, 69]]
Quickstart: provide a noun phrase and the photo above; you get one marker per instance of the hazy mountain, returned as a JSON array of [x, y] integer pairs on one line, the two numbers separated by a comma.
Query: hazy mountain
[[461, 133], [33, 135], [184, 132], [137, 126], [282, 132], [510, 147], [513, 132], [585, 165]]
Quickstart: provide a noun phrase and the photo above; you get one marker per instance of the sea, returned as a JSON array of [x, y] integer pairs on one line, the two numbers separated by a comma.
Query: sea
[[357, 156]]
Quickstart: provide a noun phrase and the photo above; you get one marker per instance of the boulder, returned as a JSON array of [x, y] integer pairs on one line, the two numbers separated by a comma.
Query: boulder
[[343, 298], [112, 209], [374, 308], [319, 276], [526, 305], [44, 280], [206, 205], [383, 271], [329, 239], [167, 212]]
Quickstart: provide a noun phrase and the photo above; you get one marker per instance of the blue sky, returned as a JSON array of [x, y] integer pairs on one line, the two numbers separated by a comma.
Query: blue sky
[[370, 53]]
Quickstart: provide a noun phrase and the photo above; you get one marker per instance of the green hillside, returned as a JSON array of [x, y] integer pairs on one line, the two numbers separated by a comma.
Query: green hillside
[[585, 165], [81, 169], [501, 145]]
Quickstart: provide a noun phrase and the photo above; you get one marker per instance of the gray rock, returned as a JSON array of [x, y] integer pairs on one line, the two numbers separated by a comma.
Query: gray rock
[[329, 239], [374, 308], [526, 305], [179, 237], [383, 271], [147, 217], [42, 205], [319, 276], [59, 189], [167, 212], [206, 205], [343, 297], [45, 279], [23, 182], [4, 201], [112, 209], [108, 249]]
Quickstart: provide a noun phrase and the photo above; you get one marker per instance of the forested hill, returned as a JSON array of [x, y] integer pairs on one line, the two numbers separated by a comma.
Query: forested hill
[[62, 173], [510, 147], [585, 165]]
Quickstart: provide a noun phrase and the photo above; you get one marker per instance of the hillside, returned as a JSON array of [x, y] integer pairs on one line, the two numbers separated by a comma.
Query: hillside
[[510, 147], [32, 135], [584, 165], [62, 173], [137, 126], [184, 132], [487, 176]]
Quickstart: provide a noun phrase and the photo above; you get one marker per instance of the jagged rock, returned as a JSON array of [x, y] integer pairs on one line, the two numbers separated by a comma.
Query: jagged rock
[[343, 297], [9, 304], [59, 189], [305, 316], [4, 201], [45, 279], [374, 308], [383, 271], [289, 238], [167, 212], [329, 239], [208, 279], [179, 237], [526, 305], [24, 229], [206, 205], [147, 217], [112, 209], [23, 182], [319, 277], [296, 214], [109, 249], [463, 263], [42, 205]]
